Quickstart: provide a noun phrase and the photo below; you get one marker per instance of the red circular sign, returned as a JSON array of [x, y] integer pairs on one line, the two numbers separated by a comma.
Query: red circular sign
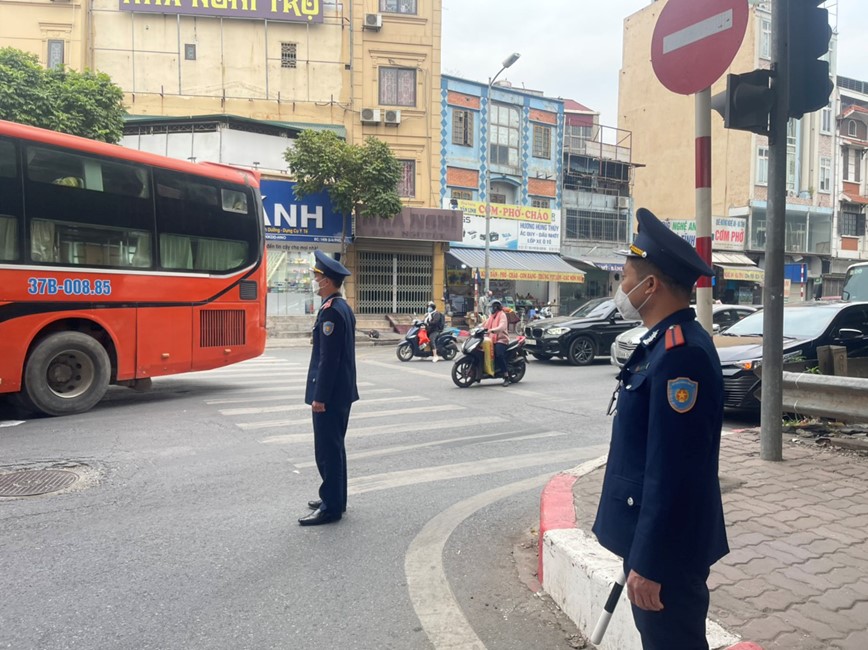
[[695, 41]]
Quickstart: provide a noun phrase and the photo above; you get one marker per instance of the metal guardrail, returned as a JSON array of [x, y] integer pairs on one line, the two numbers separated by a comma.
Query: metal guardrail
[[838, 398]]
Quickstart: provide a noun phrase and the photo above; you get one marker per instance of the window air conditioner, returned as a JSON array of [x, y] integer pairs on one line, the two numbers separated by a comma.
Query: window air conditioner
[[623, 202], [373, 22], [393, 118], [370, 116]]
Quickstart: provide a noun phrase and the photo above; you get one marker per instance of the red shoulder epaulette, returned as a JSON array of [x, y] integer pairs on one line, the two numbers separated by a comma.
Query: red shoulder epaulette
[[327, 303], [674, 337]]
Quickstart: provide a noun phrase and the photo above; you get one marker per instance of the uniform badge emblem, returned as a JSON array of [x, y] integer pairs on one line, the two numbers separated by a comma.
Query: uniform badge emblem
[[328, 327], [682, 393]]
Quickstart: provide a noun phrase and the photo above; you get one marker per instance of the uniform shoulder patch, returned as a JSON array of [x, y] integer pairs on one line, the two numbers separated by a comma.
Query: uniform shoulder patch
[[682, 393], [674, 337], [328, 327], [327, 303]]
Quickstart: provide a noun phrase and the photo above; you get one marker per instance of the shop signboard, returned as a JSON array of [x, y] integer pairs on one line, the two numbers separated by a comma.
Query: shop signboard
[[728, 233], [293, 11], [535, 276], [422, 224], [512, 227], [311, 219]]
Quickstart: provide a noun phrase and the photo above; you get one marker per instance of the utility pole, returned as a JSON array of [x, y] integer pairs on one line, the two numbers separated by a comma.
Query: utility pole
[[771, 445]]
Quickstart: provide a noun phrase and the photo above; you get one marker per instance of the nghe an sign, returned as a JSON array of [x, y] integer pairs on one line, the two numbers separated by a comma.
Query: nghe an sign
[[305, 11], [311, 219]]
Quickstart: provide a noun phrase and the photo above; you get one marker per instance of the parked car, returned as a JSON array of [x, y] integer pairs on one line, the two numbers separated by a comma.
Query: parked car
[[722, 317], [585, 334], [807, 326]]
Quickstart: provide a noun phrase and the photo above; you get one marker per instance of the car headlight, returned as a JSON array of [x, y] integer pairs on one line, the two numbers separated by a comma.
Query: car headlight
[[556, 331], [748, 365]]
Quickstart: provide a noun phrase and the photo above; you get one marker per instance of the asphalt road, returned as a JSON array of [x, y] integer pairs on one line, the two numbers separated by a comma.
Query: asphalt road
[[182, 532]]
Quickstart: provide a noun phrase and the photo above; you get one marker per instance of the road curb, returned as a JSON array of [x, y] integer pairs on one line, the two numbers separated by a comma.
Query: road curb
[[577, 572]]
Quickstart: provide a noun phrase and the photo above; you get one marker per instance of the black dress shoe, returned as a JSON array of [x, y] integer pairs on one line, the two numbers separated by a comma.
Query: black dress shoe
[[315, 504], [318, 517]]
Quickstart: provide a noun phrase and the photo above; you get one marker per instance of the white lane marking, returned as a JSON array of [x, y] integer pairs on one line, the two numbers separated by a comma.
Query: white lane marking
[[248, 426], [403, 427], [253, 410], [697, 31], [11, 423], [274, 398], [402, 478], [531, 436], [405, 367], [432, 597]]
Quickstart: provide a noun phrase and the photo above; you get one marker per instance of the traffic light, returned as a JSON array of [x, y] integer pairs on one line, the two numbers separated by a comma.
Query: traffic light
[[747, 102], [808, 35]]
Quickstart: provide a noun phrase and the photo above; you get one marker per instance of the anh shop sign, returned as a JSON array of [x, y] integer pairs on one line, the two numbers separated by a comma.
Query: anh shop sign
[[311, 219]]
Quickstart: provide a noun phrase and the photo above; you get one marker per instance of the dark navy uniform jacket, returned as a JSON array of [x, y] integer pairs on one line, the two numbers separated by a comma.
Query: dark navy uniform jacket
[[660, 508], [331, 377]]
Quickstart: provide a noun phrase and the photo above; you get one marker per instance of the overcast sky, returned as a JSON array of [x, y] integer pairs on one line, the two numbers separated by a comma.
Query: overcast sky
[[572, 48]]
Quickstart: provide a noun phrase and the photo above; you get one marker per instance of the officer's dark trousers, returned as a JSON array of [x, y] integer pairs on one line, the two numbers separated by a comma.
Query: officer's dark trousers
[[329, 431], [681, 623]]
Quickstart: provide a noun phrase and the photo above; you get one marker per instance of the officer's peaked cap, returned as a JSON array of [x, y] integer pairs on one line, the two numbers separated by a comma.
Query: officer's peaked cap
[[670, 253], [329, 267]]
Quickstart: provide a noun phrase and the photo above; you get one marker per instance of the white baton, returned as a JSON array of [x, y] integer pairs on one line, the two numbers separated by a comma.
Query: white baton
[[608, 608]]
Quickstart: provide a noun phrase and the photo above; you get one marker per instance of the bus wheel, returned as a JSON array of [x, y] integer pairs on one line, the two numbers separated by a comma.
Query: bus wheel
[[67, 373]]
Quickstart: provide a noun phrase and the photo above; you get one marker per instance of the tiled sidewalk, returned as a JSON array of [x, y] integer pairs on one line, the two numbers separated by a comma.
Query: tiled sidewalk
[[797, 574]]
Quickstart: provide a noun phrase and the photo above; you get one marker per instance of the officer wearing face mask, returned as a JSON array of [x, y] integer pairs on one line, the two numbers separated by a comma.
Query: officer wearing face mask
[[331, 389], [660, 507]]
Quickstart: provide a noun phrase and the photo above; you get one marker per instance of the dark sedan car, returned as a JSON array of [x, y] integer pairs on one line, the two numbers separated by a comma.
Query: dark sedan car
[[807, 326], [580, 337]]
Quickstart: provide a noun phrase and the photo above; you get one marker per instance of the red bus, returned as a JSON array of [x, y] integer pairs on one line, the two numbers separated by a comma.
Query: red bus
[[118, 265]]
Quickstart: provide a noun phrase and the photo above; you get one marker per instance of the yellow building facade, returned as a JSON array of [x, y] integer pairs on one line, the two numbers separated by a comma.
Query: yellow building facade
[[371, 67]]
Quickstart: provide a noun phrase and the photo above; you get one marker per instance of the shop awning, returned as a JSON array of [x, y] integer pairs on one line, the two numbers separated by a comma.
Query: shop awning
[[603, 262], [519, 265], [734, 259], [855, 198]]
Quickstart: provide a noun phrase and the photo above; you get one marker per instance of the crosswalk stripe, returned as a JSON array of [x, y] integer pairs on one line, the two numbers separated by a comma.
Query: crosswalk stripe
[[398, 449], [298, 407], [273, 424], [402, 478], [294, 393], [363, 432]]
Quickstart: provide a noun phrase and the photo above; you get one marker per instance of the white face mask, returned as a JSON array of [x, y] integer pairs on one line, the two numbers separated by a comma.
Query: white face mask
[[622, 302]]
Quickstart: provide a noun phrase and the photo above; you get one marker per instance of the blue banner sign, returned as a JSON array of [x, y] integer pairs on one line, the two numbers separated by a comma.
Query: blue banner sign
[[311, 219]]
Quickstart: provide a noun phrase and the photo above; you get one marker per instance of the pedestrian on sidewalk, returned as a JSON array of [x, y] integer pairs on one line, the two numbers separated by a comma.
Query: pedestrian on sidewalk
[[660, 507], [331, 389]]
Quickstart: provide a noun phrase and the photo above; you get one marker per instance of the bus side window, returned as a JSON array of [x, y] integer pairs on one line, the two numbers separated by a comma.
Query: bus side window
[[176, 252], [55, 167], [234, 201], [10, 202]]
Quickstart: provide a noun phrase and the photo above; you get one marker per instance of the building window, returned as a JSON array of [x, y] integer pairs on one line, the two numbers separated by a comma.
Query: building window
[[542, 141], [762, 166], [504, 135], [505, 193], [825, 175], [462, 128], [590, 225], [189, 51], [792, 139], [851, 224], [397, 87], [407, 184], [766, 39], [540, 203], [288, 54], [576, 135], [826, 120], [851, 128], [461, 195], [398, 6], [852, 165], [55, 54]]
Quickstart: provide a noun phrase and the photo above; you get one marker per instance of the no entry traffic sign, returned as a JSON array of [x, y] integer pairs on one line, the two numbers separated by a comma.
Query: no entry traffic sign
[[695, 41]]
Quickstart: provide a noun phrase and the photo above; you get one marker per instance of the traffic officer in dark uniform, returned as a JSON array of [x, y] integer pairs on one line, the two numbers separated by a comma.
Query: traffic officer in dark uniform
[[331, 389], [660, 507]]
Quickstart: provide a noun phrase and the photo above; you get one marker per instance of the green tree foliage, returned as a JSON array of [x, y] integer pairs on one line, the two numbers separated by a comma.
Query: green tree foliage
[[361, 180], [85, 103]]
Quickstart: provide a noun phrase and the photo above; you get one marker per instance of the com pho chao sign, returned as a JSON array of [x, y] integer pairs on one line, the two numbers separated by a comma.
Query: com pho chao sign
[[305, 11]]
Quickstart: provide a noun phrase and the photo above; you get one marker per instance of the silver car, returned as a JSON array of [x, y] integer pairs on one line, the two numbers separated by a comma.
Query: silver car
[[722, 317]]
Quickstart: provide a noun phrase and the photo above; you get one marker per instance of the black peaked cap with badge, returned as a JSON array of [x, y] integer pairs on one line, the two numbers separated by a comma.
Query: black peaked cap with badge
[[329, 266], [667, 251]]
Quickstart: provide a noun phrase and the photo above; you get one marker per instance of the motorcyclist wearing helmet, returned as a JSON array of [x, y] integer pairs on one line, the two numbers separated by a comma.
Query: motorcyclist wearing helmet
[[434, 323], [497, 325]]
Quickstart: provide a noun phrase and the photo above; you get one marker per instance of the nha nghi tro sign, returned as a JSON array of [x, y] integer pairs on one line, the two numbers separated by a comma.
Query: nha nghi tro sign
[[308, 11]]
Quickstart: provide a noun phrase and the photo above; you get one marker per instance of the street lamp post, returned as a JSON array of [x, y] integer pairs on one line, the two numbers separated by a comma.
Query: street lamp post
[[508, 61]]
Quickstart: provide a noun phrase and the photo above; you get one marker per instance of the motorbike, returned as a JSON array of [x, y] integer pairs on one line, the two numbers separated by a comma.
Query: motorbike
[[470, 368], [446, 343]]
